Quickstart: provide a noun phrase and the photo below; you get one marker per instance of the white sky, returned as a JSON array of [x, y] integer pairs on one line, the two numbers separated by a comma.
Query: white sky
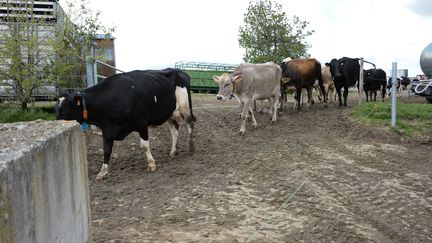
[[158, 33]]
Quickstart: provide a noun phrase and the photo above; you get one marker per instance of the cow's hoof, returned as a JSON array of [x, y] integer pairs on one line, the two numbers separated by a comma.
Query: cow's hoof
[[254, 126], [173, 153], [101, 176], [242, 132], [151, 168]]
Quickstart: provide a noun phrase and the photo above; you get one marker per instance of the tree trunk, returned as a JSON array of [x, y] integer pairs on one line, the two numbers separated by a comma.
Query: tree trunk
[[24, 105]]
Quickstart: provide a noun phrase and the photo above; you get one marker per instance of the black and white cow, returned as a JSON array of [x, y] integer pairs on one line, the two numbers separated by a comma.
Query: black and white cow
[[129, 102], [374, 80], [345, 72]]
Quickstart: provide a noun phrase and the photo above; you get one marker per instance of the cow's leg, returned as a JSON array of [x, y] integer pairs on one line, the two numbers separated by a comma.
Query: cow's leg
[[241, 109], [298, 97], [254, 122], [335, 95], [281, 100], [173, 127], [255, 107], [367, 95], [323, 92], [107, 147], [374, 94], [144, 143], [339, 93], [246, 109], [345, 95], [326, 90], [310, 98], [275, 105]]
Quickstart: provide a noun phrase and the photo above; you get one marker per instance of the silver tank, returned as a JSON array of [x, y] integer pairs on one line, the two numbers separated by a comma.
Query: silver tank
[[426, 60]]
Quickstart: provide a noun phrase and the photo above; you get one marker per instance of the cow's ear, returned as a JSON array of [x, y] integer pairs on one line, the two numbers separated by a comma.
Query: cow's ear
[[327, 64], [216, 78], [237, 79]]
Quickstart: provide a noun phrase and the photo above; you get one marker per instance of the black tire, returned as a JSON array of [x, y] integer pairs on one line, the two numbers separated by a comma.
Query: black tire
[[429, 99]]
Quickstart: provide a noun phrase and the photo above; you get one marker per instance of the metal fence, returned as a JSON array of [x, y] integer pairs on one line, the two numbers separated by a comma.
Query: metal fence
[[201, 74]]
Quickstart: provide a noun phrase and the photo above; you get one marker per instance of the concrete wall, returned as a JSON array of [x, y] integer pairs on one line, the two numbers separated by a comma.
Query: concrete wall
[[44, 193]]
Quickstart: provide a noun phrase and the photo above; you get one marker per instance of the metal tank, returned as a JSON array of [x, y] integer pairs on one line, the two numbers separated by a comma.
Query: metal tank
[[426, 60]]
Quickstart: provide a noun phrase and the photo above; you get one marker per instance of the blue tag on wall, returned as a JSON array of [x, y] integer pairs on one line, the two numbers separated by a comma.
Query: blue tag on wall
[[84, 126]]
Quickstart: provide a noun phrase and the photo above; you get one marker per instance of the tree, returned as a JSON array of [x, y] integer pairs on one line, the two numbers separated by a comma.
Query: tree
[[268, 35], [45, 46], [73, 43]]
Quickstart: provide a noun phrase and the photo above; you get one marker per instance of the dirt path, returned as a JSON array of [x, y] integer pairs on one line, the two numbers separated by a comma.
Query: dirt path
[[314, 176]]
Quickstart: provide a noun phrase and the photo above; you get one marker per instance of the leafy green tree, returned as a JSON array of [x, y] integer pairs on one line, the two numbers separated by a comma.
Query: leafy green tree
[[268, 35], [74, 39]]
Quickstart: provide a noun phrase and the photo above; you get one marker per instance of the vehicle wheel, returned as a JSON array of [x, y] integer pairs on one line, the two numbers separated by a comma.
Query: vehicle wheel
[[429, 99]]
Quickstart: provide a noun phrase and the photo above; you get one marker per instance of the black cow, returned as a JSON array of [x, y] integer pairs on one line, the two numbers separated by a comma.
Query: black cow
[[299, 74], [345, 72], [130, 102], [374, 80]]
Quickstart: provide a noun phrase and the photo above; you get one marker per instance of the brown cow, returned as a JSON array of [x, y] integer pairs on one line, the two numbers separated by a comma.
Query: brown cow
[[301, 73]]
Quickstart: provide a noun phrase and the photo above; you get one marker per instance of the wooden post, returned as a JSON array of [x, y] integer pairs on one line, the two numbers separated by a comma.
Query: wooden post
[[360, 90]]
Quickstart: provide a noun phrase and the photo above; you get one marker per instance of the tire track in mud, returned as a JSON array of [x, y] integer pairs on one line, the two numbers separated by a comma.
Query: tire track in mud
[[373, 200]]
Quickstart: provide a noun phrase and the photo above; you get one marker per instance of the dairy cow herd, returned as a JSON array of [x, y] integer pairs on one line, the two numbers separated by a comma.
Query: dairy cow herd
[[137, 100]]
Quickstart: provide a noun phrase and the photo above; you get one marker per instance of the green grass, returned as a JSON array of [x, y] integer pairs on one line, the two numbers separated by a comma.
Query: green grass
[[411, 119], [12, 113]]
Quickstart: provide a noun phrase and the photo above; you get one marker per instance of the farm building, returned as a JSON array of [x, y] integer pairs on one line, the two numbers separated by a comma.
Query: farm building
[[38, 18], [201, 74], [105, 50]]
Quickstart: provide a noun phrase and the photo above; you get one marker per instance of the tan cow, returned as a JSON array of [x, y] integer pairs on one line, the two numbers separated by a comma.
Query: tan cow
[[328, 83], [251, 82]]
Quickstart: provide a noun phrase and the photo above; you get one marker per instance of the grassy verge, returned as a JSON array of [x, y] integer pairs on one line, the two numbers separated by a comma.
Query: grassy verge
[[12, 113], [411, 119]]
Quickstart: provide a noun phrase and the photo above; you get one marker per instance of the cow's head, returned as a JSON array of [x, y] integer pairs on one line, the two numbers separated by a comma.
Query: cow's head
[[70, 107], [336, 68], [226, 84]]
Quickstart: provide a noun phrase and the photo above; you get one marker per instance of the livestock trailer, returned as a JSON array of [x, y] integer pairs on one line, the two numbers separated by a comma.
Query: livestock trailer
[[201, 74]]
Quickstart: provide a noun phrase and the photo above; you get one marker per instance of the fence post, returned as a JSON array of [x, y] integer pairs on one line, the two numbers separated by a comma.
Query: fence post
[[393, 92], [360, 90]]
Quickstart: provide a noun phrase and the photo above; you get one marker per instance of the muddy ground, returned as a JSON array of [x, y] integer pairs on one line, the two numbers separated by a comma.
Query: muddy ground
[[314, 176]]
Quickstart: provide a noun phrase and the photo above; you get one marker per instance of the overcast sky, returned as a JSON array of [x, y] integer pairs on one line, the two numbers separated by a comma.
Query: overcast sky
[[158, 33]]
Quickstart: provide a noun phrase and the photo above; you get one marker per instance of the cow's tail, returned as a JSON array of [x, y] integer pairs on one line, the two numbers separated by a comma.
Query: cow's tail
[[184, 82], [192, 117]]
